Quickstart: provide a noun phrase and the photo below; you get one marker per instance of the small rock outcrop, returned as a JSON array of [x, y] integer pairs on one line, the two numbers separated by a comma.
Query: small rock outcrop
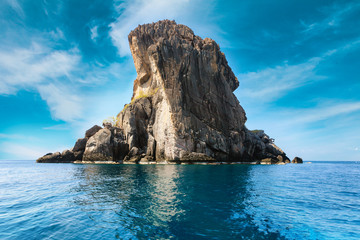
[[67, 156], [183, 109], [297, 160]]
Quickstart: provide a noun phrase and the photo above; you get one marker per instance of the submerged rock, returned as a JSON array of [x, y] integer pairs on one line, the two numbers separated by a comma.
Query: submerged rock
[[183, 108]]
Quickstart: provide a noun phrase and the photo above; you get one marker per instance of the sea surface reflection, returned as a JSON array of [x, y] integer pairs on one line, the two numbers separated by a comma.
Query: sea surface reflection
[[169, 201], [69, 201]]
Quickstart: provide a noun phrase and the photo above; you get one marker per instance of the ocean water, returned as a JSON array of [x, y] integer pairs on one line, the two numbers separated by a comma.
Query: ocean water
[[68, 201]]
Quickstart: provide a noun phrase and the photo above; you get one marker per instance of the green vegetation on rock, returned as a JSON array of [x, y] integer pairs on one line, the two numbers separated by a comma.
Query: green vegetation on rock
[[256, 131], [113, 121], [140, 95]]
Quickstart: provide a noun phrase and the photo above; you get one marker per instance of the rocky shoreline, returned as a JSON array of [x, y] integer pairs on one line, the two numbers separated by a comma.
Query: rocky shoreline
[[183, 110], [76, 154]]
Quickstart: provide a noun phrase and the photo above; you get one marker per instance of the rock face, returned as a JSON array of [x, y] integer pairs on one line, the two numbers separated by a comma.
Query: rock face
[[80, 144], [90, 132], [183, 108], [107, 144]]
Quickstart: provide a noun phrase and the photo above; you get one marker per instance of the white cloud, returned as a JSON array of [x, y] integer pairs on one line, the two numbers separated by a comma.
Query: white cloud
[[60, 77], [137, 12], [24, 68], [39, 68], [63, 104]]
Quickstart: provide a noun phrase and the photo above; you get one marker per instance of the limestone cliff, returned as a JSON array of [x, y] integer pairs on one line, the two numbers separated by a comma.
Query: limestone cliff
[[183, 108]]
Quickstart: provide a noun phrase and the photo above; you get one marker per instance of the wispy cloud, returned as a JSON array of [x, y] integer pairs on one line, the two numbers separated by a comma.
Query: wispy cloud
[[16, 137], [270, 84], [94, 33], [57, 34], [38, 68], [324, 110], [16, 6], [324, 113], [64, 104], [335, 17], [59, 127], [25, 67], [58, 76], [94, 30]]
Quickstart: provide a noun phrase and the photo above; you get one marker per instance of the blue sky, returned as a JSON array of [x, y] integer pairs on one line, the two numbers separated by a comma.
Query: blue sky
[[66, 65]]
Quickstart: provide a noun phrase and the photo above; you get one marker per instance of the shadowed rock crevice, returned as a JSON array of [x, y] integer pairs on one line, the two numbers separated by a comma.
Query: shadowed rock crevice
[[182, 110]]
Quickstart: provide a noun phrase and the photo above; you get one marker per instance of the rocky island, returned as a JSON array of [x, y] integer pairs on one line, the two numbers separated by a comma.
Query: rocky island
[[183, 109]]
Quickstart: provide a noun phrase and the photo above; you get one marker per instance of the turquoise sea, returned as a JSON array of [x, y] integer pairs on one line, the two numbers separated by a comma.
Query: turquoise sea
[[68, 201]]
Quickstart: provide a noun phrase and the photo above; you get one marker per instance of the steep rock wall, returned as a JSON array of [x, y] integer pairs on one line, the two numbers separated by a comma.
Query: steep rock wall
[[182, 110]]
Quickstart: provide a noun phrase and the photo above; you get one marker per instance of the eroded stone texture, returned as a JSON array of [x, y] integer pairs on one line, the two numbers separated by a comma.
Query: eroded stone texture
[[90, 132], [106, 145], [67, 156], [80, 144], [183, 101]]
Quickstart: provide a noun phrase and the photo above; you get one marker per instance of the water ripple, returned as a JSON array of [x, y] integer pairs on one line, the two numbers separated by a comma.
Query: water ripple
[[67, 201]]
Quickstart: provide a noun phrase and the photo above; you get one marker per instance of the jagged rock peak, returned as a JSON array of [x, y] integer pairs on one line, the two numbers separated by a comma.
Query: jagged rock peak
[[178, 39], [163, 29]]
